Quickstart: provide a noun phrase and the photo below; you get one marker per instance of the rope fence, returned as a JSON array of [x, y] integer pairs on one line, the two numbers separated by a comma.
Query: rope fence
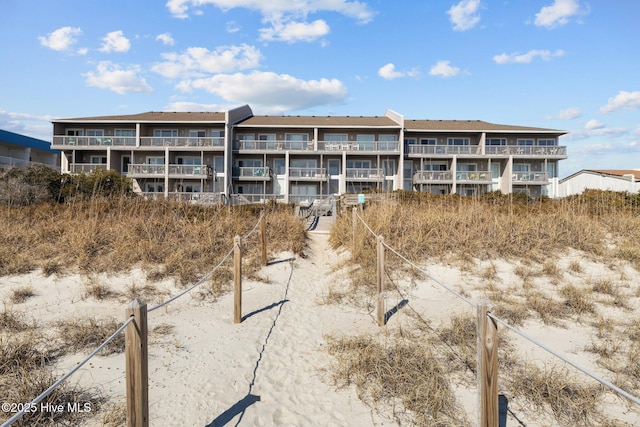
[[135, 327], [487, 334]]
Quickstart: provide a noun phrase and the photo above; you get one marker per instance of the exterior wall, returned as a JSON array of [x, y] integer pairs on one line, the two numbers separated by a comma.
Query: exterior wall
[[584, 180], [286, 168]]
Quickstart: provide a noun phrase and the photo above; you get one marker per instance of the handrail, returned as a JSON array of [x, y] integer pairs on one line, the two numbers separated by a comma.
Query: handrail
[[48, 391], [601, 380]]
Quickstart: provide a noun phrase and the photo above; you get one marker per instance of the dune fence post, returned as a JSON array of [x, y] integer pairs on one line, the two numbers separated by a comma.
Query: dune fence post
[[136, 367], [380, 279], [488, 367], [263, 237], [237, 280], [354, 226]]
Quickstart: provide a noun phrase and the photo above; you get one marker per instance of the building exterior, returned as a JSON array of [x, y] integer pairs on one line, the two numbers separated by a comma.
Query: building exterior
[[606, 179], [236, 154], [21, 150]]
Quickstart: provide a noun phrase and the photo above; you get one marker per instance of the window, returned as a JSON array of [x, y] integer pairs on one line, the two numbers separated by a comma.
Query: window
[[407, 184], [521, 167], [389, 167], [270, 139], [551, 170], [165, 133], [428, 141], [457, 141], [466, 167], [279, 166], [496, 141], [297, 137], [304, 163], [124, 132], [387, 138], [218, 164], [75, 132], [197, 133], [189, 160], [95, 133], [366, 142], [359, 164], [304, 190], [435, 167], [334, 167], [99, 160], [335, 137], [546, 142], [495, 170], [155, 160], [250, 163], [523, 141], [217, 133]]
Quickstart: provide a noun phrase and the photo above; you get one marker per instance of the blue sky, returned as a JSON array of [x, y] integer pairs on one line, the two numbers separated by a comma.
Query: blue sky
[[563, 64]]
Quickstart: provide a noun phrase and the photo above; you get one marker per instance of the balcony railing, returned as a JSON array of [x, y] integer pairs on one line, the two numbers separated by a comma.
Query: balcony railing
[[93, 141], [442, 150], [180, 171], [473, 176], [145, 169], [275, 145], [252, 173], [249, 198], [87, 167], [367, 146], [526, 150], [308, 173], [422, 177], [182, 141], [530, 178], [362, 174]]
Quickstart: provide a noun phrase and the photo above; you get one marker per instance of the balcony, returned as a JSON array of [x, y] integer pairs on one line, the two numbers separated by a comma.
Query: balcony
[[275, 145], [474, 177], [87, 167], [442, 150], [360, 146], [186, 142], [307, 174], [62, 142], [433, 177], [553, 151], [175, 171], [260, 173], [362, 174], [530, 178]]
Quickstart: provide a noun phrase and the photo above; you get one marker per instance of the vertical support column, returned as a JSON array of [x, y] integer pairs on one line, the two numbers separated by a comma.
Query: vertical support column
[[263, 237], [237, 280], [380, 279], [488, 367], [137, 371], [354, 226]]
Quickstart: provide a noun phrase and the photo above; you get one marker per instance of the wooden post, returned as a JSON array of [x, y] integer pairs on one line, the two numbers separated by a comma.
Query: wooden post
[[354, 224], [380, 279], [487, 367], [136, 367], [237, 280], [263, 237]]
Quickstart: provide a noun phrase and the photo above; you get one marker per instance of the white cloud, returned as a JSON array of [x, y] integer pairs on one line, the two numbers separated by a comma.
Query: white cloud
[[232, 27], [593, 124], [82, 51], [270, 8], [464, 15], [622, 101], [526, 58], [26, 124], [166, 39], [568, 114], [195, 106], [295, 31], [115, 41], [60, 39], [444, 69], [198, 61], [389, 72], [111, 76], [558, 13], [269, 92]]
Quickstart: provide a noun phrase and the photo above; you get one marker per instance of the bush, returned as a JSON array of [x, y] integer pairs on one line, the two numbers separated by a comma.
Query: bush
[[21, 186]]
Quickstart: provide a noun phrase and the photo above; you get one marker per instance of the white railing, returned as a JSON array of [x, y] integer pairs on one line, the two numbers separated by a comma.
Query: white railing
[[182, 141], [13, 162], [530, 177], [251, 172], [243, 199], [145, 169], [252, 145], [442, 150], [528, 150], [355, 174], [311, 173], [473, 176], [426, 176], [94, 141], [87, 167], [368, 146]]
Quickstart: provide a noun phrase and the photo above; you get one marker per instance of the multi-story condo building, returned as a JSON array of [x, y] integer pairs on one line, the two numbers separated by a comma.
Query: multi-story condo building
[[235, 154]]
